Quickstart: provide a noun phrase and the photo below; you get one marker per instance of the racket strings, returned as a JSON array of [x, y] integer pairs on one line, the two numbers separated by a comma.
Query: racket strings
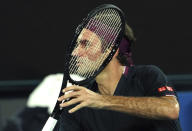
[[73, 60], [103, 34], [88, 26], [107, 25], [108, 45], [110, 40], [90, 23], [99, 26], [72, 66]]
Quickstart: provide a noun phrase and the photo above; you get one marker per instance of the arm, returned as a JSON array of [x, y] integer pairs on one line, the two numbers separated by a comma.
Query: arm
[[165, 107], [150, 107]]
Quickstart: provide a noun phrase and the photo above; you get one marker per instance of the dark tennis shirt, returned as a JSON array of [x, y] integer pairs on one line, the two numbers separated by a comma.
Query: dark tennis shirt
[[141, 81]]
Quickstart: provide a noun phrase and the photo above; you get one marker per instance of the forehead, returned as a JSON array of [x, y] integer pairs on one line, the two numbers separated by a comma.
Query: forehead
[[86, 34]]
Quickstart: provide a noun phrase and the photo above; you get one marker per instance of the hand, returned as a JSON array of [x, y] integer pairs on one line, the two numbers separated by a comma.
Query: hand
[[81, 95]]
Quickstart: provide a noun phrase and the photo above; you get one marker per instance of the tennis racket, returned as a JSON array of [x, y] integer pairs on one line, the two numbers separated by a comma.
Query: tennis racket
[[94, 43]]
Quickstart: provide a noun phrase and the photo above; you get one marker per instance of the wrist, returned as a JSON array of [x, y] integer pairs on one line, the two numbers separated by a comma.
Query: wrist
[[104, 101]]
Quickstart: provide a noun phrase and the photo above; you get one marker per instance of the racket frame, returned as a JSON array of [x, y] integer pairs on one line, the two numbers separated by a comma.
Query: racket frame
[[77, 33]]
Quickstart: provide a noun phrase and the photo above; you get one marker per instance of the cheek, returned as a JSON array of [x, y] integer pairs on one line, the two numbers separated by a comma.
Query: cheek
[[93, 55], [78, 52]]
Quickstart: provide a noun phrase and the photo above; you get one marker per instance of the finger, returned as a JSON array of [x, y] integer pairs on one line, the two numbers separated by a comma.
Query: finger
[[76, 108], [74, 88], [68, 95], [71, 102]]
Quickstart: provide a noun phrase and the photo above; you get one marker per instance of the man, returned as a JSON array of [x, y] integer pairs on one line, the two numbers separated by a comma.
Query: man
[[123, 97]]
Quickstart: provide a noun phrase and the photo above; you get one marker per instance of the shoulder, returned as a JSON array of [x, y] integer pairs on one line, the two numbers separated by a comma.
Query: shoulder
[[148, 74], [154, 81], [148, 70]]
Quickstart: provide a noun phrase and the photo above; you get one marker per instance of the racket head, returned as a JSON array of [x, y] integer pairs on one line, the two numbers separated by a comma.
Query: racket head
[[104, 24]]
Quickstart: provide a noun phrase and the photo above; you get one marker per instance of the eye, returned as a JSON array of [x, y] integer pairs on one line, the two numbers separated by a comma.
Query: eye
[[84, 43]]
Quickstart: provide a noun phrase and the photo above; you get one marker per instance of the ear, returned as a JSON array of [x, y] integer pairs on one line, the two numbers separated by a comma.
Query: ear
[[116, 53]]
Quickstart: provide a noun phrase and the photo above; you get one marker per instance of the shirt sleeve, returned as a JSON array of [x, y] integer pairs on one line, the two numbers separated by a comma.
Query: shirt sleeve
[[69, 122], [155, 82]]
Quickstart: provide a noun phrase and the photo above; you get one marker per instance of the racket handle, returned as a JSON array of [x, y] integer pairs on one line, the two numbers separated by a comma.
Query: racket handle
[[50, 124]]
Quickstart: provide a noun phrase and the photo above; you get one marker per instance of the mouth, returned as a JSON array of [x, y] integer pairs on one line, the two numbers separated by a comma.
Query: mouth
[[79, 63]]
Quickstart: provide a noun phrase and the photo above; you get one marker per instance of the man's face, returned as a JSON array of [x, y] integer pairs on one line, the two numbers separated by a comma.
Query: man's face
[[89, 45], [88, 52]]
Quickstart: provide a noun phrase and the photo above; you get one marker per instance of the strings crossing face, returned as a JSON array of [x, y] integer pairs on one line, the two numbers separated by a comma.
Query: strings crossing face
[[94, 44], [88, 52]]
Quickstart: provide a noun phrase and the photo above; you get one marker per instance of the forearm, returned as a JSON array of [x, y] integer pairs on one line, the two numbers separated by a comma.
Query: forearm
[[165, 107], [150, 107]]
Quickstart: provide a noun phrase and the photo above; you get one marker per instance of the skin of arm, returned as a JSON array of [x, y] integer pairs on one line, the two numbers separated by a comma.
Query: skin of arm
[[165, 107]]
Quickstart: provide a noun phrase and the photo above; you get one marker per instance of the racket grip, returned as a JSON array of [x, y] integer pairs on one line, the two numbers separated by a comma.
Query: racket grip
[[50, 124]]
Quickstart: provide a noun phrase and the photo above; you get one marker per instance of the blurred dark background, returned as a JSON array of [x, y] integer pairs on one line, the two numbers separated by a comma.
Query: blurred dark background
[[34, 33]]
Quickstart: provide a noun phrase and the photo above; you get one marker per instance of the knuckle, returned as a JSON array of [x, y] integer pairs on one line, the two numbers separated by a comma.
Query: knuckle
[[66, 103], [61, 105], [84, 104], [62, 97], [72, 93], [65, 96]]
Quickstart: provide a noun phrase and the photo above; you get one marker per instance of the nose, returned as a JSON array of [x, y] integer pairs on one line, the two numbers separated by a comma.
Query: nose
[[79, 51]]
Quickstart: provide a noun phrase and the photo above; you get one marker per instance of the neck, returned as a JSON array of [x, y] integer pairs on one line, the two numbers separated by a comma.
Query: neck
[[108, 79]]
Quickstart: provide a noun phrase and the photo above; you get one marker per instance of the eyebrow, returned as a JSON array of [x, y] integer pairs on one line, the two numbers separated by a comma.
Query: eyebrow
[[84, 41]]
